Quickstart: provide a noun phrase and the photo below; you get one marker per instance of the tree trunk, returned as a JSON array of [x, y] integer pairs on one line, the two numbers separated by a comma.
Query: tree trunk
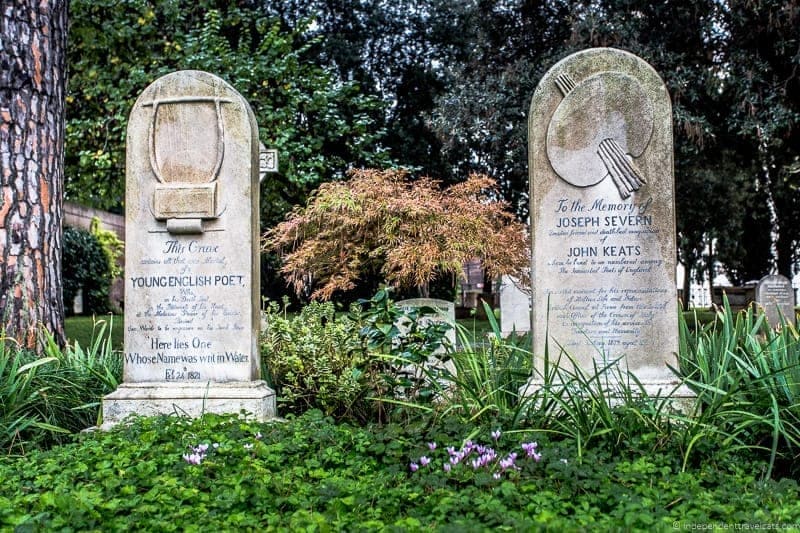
[[784, 247], [32, 84], [687, 284]]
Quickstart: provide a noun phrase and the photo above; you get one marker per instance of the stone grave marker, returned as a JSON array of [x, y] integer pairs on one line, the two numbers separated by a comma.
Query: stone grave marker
[[192, 254], [445, 312], [515, 307], [776, 295], [603, 216]]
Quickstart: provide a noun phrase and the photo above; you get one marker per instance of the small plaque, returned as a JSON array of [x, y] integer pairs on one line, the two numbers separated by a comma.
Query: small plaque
[[267, 162], [185, 201]]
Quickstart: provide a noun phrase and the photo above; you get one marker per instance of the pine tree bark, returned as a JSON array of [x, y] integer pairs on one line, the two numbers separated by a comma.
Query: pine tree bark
[[32, 85]]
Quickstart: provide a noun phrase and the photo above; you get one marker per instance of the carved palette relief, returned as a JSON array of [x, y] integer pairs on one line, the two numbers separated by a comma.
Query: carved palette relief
[[603, 123]]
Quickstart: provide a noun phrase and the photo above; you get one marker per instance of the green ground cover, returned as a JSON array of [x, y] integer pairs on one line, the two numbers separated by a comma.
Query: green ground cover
[[357, 450], [313, 474]]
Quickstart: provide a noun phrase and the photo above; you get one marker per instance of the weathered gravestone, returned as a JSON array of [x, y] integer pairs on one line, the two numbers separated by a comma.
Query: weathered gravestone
[[443, 311], [515, 307], [602, 216], [430, 311], [775, 294], [192, 255]]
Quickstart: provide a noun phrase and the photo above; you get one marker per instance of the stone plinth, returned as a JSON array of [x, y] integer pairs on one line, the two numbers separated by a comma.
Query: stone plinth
[[149, 399]]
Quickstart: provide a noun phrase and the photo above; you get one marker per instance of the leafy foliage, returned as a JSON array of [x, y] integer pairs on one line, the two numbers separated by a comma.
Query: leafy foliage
[[112, 246], [347, 365], [310, 473], [85, 267], [319, 124], [316, 360], [46, 397], [409, 231]]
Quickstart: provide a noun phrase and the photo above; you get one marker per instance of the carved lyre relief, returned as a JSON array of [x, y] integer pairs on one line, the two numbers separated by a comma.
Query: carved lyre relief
[[603, 123], [187, 147]]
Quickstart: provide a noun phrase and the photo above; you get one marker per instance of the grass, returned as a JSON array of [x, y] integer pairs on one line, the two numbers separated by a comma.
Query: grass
[[84, 328]]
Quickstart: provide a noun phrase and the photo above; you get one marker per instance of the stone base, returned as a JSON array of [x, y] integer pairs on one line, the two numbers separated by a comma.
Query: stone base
[[681, 398], [188, 399]]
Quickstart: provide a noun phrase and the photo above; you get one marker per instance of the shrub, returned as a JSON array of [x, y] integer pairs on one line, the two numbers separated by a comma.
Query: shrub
[[85, 267], [112, 246], [349, 365], [315, 360]]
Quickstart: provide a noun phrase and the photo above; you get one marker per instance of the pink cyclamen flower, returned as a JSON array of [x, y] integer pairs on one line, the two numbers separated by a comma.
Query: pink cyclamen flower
[[530, 448], [424, 461], [193, 459], [258, 436], [451, 451], [496, 434], [496, 475], [447, 467], [201, 448], [414, 467], [431, 446]]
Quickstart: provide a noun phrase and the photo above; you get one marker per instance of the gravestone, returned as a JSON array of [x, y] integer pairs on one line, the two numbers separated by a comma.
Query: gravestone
[[444, 311], [603, 217], [775, 294], [192, 254], [515, 307]]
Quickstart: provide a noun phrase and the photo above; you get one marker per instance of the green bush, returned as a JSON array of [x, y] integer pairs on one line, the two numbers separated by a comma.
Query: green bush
[[112, 246], [351, 365], [313, 474], [85, 267], [316, 360]]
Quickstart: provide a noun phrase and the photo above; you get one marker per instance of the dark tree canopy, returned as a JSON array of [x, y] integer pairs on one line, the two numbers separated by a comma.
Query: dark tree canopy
[[444, 87]]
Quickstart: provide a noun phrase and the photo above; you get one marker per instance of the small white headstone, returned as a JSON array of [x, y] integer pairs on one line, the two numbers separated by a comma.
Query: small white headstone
[[444, 311], [775, 294], [515, 307]]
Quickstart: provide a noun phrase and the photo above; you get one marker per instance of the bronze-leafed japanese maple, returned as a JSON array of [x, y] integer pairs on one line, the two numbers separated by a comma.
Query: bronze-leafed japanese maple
[[411, 231]]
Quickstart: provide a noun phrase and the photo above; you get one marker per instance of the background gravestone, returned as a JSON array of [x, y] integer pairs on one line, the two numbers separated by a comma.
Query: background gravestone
[[775, 294], [603, 221], [192, 256], [515, 307], [445, 312]]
